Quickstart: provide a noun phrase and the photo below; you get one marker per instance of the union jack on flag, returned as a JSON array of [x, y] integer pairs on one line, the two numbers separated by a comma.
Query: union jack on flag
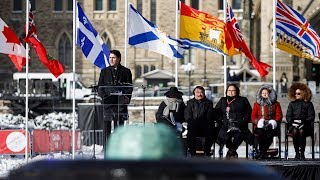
[[233, 22], [294, 33]]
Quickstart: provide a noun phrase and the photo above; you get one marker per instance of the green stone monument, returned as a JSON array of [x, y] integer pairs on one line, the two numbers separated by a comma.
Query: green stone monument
[[150, 142]]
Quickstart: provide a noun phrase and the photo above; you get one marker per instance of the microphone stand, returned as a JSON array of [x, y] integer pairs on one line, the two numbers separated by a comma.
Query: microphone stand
[[94, 89], [143, 104]]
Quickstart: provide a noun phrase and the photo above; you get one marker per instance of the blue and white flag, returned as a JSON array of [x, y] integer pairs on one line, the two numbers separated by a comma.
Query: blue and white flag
[[90, 42], [144, 34]]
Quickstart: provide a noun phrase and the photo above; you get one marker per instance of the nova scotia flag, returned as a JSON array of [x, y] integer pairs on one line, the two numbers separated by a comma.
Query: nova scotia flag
[[144, 34], [90, 42]]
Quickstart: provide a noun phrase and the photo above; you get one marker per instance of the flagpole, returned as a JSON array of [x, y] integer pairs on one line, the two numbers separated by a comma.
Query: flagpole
[[224, 57], [74, 14], [176, 59], [27, 82], [274, 55], [125, 32], [274, 44]]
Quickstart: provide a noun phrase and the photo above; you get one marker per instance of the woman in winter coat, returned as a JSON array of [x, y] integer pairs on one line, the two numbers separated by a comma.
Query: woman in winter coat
[[266, 116], [300, 116], [236, 113], [171, 110]]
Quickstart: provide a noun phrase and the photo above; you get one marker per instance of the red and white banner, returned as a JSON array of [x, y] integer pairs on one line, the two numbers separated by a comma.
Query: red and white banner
[[13, 141]]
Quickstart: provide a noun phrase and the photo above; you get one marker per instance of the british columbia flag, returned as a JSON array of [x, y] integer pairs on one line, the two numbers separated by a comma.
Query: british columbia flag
[[240, 43], [295, 34]]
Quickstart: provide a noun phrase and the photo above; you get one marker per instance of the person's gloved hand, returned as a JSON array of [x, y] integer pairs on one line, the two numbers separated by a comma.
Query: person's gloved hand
[[297, 123]]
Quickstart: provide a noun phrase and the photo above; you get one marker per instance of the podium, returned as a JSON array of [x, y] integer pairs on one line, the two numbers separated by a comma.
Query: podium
[[115, 101]]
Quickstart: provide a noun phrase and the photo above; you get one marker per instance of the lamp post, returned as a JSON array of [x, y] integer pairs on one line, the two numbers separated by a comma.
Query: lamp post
[[189, 70]]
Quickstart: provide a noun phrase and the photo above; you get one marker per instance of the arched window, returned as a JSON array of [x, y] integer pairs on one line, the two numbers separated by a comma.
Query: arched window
[[139, 6], [106, 39], [17, 5], [145, 69], [138, 71], [58, 5], [195, 4], [152, 68], [64, 50], [153, 11]]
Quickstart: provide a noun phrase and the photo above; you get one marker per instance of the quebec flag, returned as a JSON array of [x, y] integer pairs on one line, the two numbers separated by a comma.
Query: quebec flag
[[90, 42], [144, 34]]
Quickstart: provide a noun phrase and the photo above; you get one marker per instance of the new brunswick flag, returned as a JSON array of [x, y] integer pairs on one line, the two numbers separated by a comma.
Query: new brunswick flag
[[201, 30]]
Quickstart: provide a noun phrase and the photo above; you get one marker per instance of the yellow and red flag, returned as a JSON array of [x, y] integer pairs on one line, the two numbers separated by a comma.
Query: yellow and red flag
[[200, 29]]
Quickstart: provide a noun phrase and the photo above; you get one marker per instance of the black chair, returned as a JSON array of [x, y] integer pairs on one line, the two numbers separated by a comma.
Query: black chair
[[278, 134], [307, 134]]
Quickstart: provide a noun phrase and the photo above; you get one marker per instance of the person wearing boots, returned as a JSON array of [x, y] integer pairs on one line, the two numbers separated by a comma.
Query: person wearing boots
[[236, 113], [266, 116], [171, 110], [196, 115], [300, 116]]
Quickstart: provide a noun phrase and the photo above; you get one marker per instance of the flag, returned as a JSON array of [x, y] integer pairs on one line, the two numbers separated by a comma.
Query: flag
[[90, 42], [11, 45], [240, 43], [54, 66], [201, 30], [144, 34], [294, 33]]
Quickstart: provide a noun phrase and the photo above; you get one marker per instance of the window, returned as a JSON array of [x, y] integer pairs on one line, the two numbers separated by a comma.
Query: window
[[106, 39], [152, 68], [153, 11], [184, 1], [145, 69], [138, 71], [220, 4], [58, 5], [236, 4], [70, 5], [195, 4], [17, 5], [33, 5], [64, 50], [98, 5], [139, 6], [112, 5]]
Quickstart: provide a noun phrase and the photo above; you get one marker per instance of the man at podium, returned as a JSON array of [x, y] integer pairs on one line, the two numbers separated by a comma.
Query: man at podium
[[115, 89]]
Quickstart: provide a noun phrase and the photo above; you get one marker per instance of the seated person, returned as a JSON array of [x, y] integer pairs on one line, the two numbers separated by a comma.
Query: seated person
[[171, 110], [266, 115], [196, 115]]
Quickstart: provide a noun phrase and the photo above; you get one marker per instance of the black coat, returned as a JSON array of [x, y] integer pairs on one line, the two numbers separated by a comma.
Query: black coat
[[301, 110], [240, 110], [110, 82], [197, 111]]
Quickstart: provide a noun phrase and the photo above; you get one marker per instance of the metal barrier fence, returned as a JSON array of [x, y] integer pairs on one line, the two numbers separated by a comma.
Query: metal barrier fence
[[89, 135]]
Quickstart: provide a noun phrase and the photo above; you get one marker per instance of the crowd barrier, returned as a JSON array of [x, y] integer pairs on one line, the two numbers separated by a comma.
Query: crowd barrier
[[13, 142]]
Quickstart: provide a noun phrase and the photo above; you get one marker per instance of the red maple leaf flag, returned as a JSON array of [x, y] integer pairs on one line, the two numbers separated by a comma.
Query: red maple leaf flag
[[53, 65], [11, 45]]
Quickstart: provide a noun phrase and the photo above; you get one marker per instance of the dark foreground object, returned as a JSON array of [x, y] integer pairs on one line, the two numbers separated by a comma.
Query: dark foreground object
[[184, 169], [291, 169]]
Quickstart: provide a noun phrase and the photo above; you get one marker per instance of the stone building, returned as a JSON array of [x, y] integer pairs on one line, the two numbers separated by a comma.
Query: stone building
[[53, 19]]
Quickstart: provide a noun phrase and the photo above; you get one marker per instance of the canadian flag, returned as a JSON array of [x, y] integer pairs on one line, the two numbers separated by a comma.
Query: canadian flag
[[11, 45]]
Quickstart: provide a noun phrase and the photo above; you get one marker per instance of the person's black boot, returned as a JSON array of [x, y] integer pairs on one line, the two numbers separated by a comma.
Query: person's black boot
[[297, 156]]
